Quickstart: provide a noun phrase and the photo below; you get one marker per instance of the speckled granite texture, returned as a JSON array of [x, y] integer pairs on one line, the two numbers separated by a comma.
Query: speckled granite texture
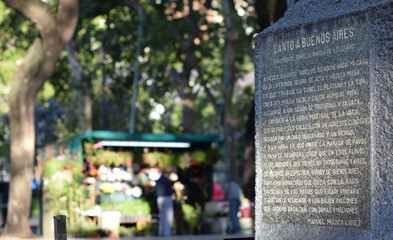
[[306, 18]]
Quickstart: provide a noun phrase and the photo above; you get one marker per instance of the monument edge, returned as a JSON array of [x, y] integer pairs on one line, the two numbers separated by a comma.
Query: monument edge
[[377, 136], [381, 121]]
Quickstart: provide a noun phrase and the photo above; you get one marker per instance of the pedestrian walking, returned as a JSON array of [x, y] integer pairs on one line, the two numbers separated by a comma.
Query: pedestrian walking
[[164, 192], [233, 194]]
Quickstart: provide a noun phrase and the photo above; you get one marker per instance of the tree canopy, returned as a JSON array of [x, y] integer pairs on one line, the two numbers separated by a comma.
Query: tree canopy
[[195, 74], [182, 51]]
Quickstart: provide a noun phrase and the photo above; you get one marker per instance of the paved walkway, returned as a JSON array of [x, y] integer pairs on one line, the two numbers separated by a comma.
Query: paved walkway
[[176, 237], [186, 237]]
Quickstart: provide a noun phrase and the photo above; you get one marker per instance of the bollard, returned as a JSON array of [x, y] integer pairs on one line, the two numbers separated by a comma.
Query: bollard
[[60, 227]]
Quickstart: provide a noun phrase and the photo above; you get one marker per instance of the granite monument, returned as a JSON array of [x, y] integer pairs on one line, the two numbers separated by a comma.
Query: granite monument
[[324, 122]]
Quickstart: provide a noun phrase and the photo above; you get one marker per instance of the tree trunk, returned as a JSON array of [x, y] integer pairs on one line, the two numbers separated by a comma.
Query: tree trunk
[[188, 104], [269, 11], [190, 62], [188, 100], [83, 84], [37, 66], [22, 155], [21, 100], [230, 151], [249, 157], [87, 107], [229, 123]]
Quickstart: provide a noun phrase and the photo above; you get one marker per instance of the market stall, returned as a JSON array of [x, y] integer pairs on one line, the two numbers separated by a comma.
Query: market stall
[[111, 175]]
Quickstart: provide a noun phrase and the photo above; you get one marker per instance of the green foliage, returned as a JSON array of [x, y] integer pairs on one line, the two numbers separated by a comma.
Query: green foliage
[[146, 229], [4, 148], [35, 205], [125, 231], [192, 215], [199, 156], [16, 35], [107, 32], [206, 156], [54, 166], [176, 159], [163, 159], [62, 186], [205, 116], [152, 159], [47, 92], [138, 207], [4, 137], [83, 228], [106, 157]]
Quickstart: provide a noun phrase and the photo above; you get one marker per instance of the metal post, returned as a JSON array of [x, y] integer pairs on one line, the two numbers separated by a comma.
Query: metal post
[[103, 103], [136, 70]]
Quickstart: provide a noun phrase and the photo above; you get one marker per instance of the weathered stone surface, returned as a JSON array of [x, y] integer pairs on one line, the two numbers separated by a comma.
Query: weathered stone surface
[[324, 129]]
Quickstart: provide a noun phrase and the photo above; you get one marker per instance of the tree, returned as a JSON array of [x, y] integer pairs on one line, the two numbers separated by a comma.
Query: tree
[[267, 12], [181, 29], [101, 59], [230, 123], [92, 57], [212, 50], [84, 85], [36, 68]]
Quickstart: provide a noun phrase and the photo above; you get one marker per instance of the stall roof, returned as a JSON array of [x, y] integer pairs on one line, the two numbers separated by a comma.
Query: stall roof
[[111, 135], [74, 144]]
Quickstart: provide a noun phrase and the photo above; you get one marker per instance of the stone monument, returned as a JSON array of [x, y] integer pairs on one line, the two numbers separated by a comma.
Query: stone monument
[[324, 122]]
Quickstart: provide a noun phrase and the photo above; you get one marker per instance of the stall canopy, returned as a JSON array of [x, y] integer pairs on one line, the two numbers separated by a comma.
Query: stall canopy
[[73, 147]]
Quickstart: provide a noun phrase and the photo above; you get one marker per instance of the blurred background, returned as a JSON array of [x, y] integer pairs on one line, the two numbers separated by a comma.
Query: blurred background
[[140, 86]]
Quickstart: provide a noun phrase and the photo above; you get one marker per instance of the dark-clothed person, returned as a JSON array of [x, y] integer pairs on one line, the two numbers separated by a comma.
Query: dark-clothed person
[[164, 193], [233, 194]]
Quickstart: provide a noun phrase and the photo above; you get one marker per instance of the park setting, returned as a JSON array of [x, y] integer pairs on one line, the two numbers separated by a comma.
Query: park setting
[[196, 119]]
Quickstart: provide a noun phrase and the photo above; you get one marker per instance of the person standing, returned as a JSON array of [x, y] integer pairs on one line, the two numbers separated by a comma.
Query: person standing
[[164, 191], [233, 194]]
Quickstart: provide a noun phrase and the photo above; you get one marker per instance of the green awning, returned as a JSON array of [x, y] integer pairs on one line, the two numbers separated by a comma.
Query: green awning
[[111, 135], [75, 143]]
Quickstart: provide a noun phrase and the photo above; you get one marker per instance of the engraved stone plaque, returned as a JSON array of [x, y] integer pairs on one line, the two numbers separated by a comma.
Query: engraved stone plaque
[[316, 125], [324, 122]]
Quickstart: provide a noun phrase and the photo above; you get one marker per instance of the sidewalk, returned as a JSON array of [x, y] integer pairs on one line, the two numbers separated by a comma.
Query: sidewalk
[[175, 237], [181, 237], [240, 236]]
